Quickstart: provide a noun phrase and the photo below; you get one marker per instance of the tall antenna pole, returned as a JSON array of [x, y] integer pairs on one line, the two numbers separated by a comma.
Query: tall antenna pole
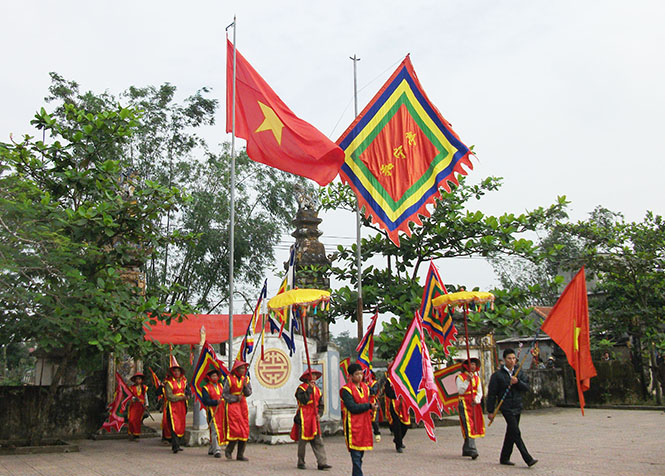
[[232, 197], [359, 316]]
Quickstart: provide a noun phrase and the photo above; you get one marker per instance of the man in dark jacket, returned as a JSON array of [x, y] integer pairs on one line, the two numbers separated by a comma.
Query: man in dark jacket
[[511, 408]]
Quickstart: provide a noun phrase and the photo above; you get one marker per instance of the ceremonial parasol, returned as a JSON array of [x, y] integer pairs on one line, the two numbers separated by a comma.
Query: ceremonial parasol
[[463, 299], [300, 301]]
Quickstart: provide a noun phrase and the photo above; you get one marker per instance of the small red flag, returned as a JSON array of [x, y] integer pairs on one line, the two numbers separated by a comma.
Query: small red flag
[[275, 135], [568, 325]]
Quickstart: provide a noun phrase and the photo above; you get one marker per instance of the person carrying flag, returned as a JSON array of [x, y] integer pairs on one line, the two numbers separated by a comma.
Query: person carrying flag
[[470, 393], [236, 390], [357, 417], [397, 413], [504, 384], [307, 422], [137, 407], [373, 385], [211, 394], [176, 392]]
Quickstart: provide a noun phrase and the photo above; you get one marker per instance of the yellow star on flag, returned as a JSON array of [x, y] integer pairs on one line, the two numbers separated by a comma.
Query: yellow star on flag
[[578, 331], [270, 122]]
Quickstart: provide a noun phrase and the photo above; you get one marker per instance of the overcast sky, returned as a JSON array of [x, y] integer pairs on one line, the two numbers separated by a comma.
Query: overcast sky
[[558, 97]]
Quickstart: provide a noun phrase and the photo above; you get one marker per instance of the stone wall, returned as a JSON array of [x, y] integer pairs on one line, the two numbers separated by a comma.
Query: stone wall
[[546, 388], [616, 383], [79, 411]]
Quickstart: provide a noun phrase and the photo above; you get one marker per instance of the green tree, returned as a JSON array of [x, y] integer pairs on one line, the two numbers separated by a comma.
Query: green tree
[[451, 231], [73, 223], [626, 282], [346, 344], [168, 148], [626, 261]]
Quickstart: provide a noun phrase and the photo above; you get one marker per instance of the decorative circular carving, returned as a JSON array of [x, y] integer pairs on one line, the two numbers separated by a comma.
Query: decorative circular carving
[[274, 370]]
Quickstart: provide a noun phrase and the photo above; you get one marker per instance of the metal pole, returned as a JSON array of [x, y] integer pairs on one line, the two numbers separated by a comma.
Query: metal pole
[[359, 316], [232, 198]]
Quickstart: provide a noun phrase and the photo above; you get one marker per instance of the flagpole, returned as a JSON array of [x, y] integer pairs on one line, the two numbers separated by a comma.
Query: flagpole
[[359, 316], [232, 197]]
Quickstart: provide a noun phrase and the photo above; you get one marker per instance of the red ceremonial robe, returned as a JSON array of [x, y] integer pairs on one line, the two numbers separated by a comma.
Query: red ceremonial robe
[[371, 381], [401, 410], [177, 411], [136, 409], [166, 431], [216, 414], [357, 426], [237, 413], [309, 423], [471, 416]]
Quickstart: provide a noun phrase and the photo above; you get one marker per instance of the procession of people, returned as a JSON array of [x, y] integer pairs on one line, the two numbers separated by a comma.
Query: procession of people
[[224, 399]]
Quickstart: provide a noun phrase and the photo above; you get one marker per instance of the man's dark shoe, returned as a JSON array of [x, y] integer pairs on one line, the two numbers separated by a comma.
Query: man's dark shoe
[[301, 466], [507, 463], [402, 446], [400, 450], [323, 467], [532, 462], [474, 456], [228, 455], [242, 458], [175, 450]]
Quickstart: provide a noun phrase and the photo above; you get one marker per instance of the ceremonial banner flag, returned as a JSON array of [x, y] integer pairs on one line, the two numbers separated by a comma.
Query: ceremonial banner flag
[[429, 386], [439, 325], [208, 360], [445, 382], [287, 283], [155, 380], [247, 344], [412, 377], [157, 384], [398, 152], [118, 407], [344, 368], [276, 329], [275, 135], [568, 325], [365, 347]]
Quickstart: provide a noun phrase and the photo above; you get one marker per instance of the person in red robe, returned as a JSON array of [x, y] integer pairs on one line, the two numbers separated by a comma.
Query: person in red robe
[[307, 422], [357, 417], [211, 395], [398, 416], [137, 406], [236, 390], [176, 392], [373, 384], [470, 393]]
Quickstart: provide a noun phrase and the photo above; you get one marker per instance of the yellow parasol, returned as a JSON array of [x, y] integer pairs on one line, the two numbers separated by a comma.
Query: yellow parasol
[[299, 297], [299, 301], [462, 299]]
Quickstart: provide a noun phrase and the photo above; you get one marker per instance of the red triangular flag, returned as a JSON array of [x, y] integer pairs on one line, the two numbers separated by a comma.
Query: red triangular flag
[[568, 325], [275, 135]]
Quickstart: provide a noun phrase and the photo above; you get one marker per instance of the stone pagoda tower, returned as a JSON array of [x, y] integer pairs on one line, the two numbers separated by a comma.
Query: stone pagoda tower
[[311, 262]]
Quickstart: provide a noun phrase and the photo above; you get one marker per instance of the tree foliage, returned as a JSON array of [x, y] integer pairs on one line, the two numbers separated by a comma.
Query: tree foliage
[[168, 147], [625, 279], [452, 231], [73, 223]]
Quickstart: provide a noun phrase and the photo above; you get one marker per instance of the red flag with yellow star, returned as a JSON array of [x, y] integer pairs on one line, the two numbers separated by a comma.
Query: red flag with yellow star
[[568, 325], [275, 135]]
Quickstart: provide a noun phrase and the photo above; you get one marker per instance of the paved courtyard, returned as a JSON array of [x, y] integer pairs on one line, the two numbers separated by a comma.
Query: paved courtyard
[[604, 442]]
